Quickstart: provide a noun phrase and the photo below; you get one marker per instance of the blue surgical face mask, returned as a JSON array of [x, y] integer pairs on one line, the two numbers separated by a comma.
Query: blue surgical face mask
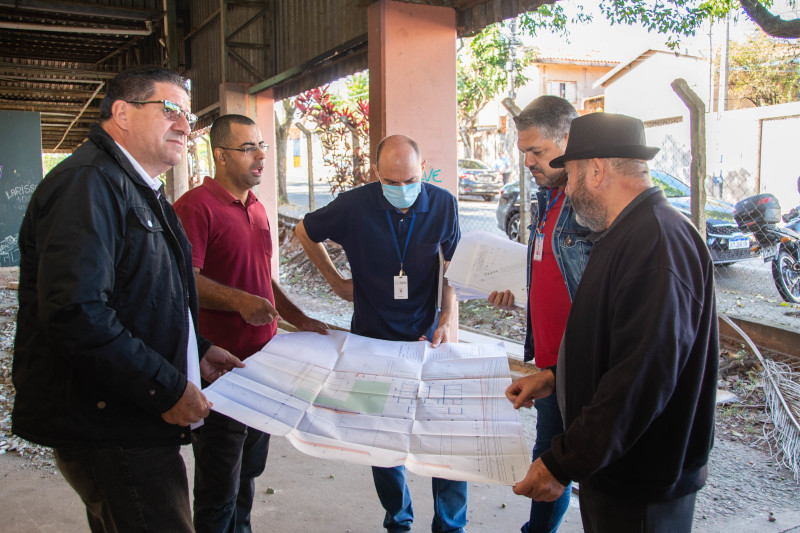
[[403, 196]]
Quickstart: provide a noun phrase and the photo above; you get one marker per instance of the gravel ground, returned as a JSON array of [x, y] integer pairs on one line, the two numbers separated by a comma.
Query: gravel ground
[[37, 456]]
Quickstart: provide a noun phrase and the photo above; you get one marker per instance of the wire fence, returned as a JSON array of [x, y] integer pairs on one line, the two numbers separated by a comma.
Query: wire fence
[[749, 283]]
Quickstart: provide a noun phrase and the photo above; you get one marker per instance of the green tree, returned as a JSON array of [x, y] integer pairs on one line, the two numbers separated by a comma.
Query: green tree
[[50, 160], [764, 70], [485, 68], [676, 18], [490, 63]]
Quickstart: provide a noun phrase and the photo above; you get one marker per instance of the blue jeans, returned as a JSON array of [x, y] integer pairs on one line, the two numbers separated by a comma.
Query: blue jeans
[[449, 501], [228, 457], [129, 489], [546, 516]]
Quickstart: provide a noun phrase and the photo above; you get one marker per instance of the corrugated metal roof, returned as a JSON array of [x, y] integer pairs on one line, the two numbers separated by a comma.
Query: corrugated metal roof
[[56, 56]]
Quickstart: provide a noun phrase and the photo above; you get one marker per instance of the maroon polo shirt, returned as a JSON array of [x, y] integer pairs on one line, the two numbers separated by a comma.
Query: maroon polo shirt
[[231, 245]]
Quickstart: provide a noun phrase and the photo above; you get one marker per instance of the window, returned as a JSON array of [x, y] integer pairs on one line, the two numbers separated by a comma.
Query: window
[[568, 90]]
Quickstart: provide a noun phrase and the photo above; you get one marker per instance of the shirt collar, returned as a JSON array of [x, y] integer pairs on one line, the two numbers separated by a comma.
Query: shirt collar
[[223, 194], [154, 183], [644, 195]]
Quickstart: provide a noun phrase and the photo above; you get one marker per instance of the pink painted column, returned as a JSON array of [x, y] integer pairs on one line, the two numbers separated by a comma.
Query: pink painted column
[[268, 190], [233, 98], [412, 82]]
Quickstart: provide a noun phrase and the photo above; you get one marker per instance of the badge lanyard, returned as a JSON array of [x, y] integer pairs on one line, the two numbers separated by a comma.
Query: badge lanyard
[[538, 242], [401, 280]]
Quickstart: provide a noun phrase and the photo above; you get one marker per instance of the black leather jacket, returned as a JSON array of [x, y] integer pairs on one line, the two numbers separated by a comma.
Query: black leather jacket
[[105, 281]]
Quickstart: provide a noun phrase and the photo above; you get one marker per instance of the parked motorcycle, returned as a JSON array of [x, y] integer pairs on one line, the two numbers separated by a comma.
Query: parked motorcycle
[[780, 244]]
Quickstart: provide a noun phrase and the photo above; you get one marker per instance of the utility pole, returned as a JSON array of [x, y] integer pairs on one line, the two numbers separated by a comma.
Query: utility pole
[[710, 67], [524, 182], [722, 104]]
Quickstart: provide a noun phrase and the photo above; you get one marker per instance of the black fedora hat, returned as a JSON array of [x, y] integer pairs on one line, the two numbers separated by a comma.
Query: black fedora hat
[[605, 135]]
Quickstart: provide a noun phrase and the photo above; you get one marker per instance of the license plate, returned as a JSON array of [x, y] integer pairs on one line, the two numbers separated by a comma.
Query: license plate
[[738, 244], [768, 253]]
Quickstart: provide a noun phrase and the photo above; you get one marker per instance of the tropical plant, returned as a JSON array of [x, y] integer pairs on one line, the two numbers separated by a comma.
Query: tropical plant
[[343, 132]]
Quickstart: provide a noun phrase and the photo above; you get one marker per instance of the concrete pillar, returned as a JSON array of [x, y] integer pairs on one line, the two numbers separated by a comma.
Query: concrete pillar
[[412, 82], [233, 99], [178, 178], [268, 190]]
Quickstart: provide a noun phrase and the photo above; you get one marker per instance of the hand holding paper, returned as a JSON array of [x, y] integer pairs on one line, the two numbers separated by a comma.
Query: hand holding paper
[[484, 263]]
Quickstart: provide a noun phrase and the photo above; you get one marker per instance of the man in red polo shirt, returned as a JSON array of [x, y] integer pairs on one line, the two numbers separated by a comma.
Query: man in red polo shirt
[[240, 305], [558, 250]]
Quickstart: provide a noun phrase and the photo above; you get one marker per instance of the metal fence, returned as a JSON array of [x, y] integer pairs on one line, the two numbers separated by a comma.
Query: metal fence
[[747, 285]]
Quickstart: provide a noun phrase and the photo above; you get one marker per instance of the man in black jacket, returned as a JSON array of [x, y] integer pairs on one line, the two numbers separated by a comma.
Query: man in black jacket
[[107, 362], [637, 369]]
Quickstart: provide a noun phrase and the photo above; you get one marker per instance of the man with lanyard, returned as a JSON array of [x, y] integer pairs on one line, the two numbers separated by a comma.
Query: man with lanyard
[[239, 307], [392, 231], [558, 251]]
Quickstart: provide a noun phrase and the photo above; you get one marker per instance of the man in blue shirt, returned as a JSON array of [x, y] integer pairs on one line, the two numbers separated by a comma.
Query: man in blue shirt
[[392, 230]]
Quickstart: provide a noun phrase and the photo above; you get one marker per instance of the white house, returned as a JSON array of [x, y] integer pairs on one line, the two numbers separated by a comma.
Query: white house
[[640, 86]]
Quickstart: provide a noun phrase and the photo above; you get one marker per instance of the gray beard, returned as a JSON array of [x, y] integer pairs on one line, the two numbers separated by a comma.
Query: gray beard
[[595, 221]]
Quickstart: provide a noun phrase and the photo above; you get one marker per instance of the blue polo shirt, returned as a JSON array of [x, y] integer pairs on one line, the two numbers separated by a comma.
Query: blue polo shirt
[[356, 220]]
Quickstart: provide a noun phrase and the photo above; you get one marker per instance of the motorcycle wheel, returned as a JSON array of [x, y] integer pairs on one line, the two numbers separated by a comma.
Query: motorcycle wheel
[[786, 278]]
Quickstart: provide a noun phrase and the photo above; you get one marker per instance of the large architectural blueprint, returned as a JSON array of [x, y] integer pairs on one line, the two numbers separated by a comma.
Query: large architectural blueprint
[[439, 411]]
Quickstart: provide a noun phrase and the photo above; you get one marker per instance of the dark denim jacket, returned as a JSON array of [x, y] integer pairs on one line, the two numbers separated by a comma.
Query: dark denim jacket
[[571, 248]]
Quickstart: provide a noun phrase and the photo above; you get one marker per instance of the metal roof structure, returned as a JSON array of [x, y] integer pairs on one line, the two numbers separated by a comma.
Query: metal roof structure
[[57, 55]]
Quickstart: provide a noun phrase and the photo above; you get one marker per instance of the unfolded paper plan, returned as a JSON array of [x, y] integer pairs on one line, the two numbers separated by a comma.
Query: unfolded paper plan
[[484, 262], [439, 411]]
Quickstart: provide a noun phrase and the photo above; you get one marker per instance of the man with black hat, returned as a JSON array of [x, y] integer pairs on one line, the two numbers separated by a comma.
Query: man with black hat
[[637, 369]]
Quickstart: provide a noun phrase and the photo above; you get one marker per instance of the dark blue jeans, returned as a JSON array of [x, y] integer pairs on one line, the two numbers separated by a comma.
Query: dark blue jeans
[[129, 489], [449, 501], [228, 457], [546, 516]]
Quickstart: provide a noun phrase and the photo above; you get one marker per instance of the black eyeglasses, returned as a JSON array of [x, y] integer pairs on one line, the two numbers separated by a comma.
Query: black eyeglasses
[[249, 150], [172, 110]]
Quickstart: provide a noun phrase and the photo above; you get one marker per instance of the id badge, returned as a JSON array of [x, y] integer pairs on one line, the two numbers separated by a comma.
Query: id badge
[[401, 287], [538, 245]]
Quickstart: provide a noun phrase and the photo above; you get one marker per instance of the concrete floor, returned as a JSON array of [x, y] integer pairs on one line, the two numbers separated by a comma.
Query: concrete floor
[[311, 495]]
